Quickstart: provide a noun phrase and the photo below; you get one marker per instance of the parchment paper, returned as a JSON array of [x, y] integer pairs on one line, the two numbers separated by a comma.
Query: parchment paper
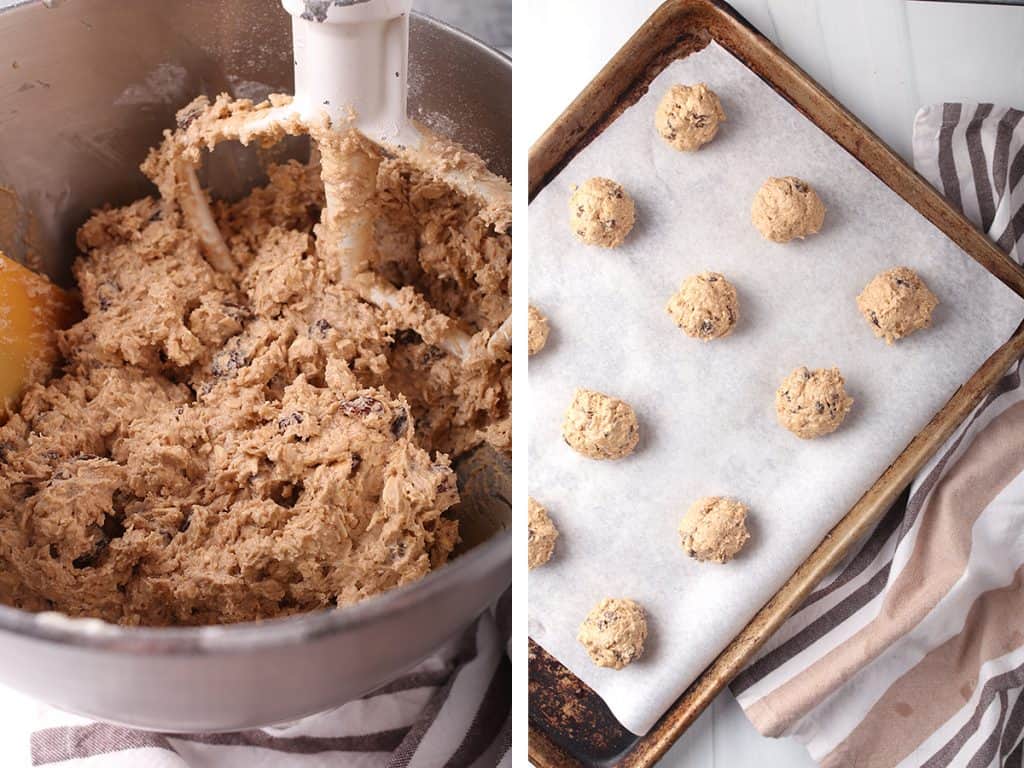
[[706, 411]]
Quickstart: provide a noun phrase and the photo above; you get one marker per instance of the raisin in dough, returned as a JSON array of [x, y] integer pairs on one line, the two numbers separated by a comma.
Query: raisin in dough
[[688, 116], [542, 535], [812, 403], [714, 528], [537, 331], [787, 208], [896, 303], [600, 427], [706, 306], [614, 632], [601, 212]]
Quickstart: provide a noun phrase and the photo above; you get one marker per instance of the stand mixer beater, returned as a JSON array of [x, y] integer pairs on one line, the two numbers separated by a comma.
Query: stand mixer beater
[[351, 63]]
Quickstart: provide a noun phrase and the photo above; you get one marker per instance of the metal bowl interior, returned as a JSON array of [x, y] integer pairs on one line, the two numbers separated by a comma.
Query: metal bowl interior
[[87, 87]]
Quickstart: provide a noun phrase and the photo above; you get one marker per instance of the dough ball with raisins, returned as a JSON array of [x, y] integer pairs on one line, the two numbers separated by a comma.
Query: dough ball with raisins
[[537, 330], [614, 632], [787, 208], [896, 303], [601, 212], [541, 535], [714, 528], [812, 403], [688, 116], [706, 306], [599, 426]]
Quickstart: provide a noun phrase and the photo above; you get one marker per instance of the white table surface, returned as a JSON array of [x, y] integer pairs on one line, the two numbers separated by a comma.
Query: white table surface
[[882, 59]]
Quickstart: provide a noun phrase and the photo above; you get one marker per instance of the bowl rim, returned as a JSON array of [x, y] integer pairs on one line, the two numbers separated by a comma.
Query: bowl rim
[[103, 636], [100, 635]]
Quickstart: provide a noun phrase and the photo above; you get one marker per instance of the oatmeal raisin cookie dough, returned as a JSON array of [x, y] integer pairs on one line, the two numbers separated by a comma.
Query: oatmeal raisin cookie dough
[[688, 116], [537, 330], [614, 632], [812, 403], [252, 441], [599, 426], [542, 535], [705, 307], [601, 212], [896, 303], [787, 208], [714, 528]]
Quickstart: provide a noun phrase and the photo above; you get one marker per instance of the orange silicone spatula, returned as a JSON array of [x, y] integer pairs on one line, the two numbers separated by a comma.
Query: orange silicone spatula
[[32, 310]]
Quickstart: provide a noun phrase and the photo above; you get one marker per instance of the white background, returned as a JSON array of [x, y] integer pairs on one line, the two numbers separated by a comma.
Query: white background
[[881, 58]]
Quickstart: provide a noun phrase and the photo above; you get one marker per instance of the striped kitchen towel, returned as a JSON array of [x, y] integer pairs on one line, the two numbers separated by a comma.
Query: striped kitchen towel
[[972, 153], [452, 710], [912, 652]]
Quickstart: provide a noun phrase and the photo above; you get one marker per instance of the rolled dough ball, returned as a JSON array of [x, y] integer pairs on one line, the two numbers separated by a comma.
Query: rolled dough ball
[[714, 528], [787, 208], [601, 212], [688, 116], [705, 306], [614, 632], [600, 427], [812, 403], [542, 532], [896, 303], [537, 330]]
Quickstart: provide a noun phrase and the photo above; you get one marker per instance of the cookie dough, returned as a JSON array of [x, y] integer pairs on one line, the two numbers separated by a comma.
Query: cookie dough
[[614, 632], [714, 528], [706, 306], [787, 208], [537, 330], [601, 212], [600, 427], [812, 403], [688, 116], [542, 535], [896, 303], [250, 441]]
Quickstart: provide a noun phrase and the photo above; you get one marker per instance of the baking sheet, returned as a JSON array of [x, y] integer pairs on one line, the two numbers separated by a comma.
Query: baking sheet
[[707, 410]]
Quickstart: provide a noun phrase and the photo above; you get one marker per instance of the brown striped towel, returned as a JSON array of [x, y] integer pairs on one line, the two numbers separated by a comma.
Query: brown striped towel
[[453, 710], [912, 652]]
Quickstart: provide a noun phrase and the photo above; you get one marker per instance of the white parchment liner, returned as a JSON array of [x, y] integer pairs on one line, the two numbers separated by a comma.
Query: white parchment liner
[[706, 410]]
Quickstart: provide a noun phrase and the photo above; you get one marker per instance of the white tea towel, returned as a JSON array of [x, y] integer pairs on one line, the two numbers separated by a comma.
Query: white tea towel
[[912, 652]]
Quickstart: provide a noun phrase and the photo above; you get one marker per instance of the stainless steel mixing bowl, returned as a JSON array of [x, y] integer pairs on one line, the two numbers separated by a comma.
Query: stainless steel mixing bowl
[[86, 86]]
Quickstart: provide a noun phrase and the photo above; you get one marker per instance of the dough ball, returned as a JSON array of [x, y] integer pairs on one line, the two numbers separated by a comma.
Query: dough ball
[[786, 208], [614, 632], [896, 303], [537, 330], [601, 212], [705, 306], [542, 535], [688, 116], [812, 403], [600, 427], [714, 528]]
